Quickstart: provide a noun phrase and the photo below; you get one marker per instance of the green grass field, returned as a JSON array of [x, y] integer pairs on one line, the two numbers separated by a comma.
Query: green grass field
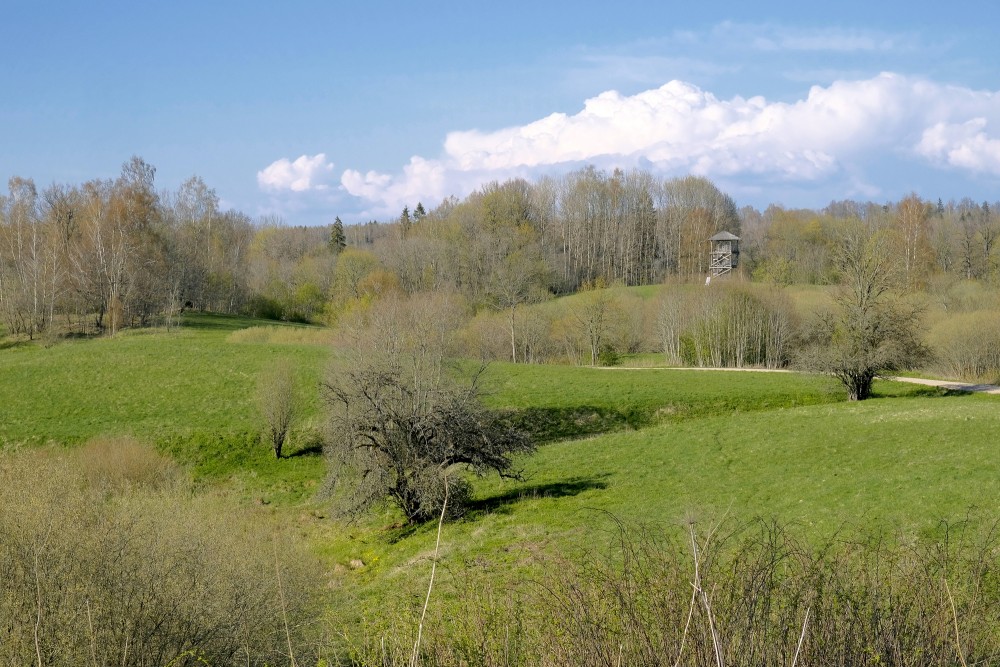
[[190, 391], [648, 445]]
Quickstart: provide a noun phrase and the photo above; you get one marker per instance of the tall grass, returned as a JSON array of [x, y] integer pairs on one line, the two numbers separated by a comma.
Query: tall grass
[[732, 594]]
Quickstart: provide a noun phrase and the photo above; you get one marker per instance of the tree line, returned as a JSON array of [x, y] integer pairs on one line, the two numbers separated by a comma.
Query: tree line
[[113, 253], [933, 241], [107, 254]]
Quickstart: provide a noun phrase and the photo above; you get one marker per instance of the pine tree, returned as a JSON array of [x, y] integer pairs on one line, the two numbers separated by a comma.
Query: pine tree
[[419, 212], [338, 241], [405, 222]]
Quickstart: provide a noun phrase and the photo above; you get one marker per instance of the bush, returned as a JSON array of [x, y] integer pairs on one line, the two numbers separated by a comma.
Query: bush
[[727, 326], [277, 403], [121, 463], [608, 356], [400, 422], [967, 346], [143, 577], [739, 595], [265, 308], [871, 330]]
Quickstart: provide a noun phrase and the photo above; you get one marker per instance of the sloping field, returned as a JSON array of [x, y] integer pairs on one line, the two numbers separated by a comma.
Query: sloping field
[[646, 446]]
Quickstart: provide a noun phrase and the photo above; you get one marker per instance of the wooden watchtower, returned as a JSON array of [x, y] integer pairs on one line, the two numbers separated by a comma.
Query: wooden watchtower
[[725, 253]]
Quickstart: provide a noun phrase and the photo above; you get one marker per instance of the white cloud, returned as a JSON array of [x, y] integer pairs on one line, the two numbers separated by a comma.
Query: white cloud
[[962, 145], [301, 175], [679, 128]]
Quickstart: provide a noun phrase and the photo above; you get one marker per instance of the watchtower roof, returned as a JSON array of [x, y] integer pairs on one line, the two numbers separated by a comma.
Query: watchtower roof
[[724, 236]]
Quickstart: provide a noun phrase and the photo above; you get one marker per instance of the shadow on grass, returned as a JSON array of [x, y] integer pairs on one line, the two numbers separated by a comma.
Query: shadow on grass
[[214, 322], [308, 450], [918, 391], [501, 503], [550, 424]]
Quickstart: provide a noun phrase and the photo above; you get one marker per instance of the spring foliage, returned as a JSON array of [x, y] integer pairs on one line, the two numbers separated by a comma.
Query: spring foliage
[[870, 332]]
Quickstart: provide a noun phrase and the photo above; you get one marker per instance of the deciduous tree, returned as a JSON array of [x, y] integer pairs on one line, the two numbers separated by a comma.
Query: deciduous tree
[[870, 331], [277, 402], [400, 421]]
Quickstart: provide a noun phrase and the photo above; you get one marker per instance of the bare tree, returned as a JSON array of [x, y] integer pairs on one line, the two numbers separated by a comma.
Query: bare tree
[[869, 332], [277, 401], [400, 420], [594, 316], [912, 228]]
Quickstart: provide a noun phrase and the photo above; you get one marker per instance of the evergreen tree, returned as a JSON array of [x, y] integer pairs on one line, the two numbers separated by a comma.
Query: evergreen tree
[[405, 222], [337, 239], [419, 212]]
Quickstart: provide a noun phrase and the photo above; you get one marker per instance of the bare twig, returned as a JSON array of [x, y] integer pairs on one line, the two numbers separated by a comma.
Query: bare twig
[[711, 625], [696, 588], [93, 639], [801, 638], [38, 611], [284, 613], [694, 599], [704, 596], [125, 649], [954, 616], [430, 586]]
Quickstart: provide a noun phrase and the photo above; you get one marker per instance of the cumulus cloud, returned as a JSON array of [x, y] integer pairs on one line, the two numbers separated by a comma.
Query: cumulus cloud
[[680, 128], [304, 174], [964, 145]]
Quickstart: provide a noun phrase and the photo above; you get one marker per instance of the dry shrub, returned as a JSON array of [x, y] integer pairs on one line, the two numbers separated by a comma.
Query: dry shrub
[[140, 578], [487, 336], [627, 331], [277, 403], [119, 463], [757, 596], [966, 346], [415, 324], [963, 296], [727, 325]]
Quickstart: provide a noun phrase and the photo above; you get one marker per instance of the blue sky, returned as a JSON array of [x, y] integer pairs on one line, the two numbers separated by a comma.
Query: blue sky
[[314, 109]]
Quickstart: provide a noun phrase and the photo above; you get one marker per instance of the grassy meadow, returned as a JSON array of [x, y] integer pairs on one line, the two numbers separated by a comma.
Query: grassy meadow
[[652, 446], [681, 440], [190, 391]]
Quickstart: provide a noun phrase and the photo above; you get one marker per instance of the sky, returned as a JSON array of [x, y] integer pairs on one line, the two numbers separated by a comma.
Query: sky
[[311, 110]]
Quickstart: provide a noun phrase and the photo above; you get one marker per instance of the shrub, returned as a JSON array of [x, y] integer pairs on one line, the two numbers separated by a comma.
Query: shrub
[[967, 346], [142, 577], [739, 595], [727, 326], [399, 421], [277, 403], [120, 463], [608, 356], [282, 335]]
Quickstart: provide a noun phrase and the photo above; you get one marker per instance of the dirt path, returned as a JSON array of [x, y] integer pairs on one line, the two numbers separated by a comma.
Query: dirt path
[[945, 384], [948, 384]]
